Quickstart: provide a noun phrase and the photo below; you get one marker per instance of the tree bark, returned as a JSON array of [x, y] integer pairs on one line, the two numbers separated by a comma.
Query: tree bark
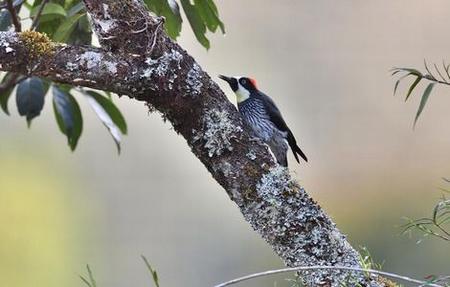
[[139, 60]]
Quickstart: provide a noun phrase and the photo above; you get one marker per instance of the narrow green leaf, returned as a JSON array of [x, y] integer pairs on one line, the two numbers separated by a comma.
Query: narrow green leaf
[[394, 72], [411, 71], [423, 101], [28, 6], [398, 82], [109, 114], [412, 87], [68, 116], [75, 9], [151, 270], [196, 21], [82, 32], [5, 20], [5, 95], [171, 12], [49, 9], [16, 3], [30, 98], [91, 281], [91, 276], [85, 281], [66, 28], [209, 14]]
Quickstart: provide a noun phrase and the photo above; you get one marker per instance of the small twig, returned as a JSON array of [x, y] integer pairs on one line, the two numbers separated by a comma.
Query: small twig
[[14, 16], [433, 79], [446, 69], [439, 73], [309, 268], [38, 15], [428, 70]]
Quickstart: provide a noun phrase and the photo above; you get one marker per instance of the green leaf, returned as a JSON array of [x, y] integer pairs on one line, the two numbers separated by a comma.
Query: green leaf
[[75, 9], [68, 116], [208, 11], [398, 82], [411, 71], [91, 282], [82, 33], [5, 95], [412, 87], [5, 20], [171, 11], [49, 9], [109, 114], [423, 101], [197, 24], [30, 98], [151, 270], [65, 29]]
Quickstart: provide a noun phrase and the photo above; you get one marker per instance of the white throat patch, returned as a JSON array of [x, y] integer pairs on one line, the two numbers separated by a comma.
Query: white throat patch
[[242, 93]]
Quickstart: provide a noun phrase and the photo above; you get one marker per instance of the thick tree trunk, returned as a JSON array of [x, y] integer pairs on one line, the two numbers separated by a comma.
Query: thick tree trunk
[[137, 59]]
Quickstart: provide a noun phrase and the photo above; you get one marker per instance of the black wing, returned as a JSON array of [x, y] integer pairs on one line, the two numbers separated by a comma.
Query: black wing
[[275, 116]]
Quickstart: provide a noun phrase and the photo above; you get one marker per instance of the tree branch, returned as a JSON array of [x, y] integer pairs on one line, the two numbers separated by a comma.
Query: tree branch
[[14, 16], [35, 22], [139, 60]]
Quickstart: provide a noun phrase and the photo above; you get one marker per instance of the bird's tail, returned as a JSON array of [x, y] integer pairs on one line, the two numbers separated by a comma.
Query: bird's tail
[[295, 149]]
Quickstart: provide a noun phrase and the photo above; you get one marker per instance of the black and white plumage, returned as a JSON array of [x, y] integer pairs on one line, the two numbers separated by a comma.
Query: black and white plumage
[[262, 115]]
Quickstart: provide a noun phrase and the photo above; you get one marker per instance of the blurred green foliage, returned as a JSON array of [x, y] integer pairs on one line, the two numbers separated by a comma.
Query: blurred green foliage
[[36, 222]]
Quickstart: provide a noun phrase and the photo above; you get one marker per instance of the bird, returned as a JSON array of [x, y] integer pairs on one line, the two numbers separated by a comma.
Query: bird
[[262, 115]]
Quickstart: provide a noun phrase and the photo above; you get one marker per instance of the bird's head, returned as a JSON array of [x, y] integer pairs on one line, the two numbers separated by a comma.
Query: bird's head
[[243, 87]]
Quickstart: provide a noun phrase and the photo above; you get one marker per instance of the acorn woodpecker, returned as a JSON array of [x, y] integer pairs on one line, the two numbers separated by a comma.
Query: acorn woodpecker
[[262, 115]]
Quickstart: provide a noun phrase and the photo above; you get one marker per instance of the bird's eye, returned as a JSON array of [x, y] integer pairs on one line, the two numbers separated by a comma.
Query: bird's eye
[[243, 81]]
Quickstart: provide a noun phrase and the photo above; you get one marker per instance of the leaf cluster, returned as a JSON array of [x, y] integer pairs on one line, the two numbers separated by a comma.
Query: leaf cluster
[[66, 21], [201, 14], [59, 21], [437, 225], [440, 75], [90, 280]]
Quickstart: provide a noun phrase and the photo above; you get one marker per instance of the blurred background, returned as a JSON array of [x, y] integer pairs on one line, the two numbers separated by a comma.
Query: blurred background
[[326, 64]]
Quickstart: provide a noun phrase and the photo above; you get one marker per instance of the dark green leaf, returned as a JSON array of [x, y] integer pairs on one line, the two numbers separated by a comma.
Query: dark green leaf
[[75, 9], [91, 276], [30, 98], [209, 14], [82, 32], [412, 87], [196, 21], [411, 71], [109, 114], [16, 3], [68, 116], [28, 6], [6, 94], [5, 20], [153, 272], [65, 29], [49, 9], [423, 101], [398, 82], [85, 281], [91, 282], [171, 11]]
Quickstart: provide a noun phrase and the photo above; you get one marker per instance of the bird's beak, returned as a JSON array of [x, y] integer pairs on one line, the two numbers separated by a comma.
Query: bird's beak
[[226, 79]]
